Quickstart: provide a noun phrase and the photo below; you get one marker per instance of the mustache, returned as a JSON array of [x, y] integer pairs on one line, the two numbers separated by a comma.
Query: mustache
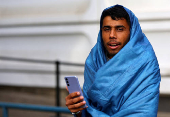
[[113, 42]]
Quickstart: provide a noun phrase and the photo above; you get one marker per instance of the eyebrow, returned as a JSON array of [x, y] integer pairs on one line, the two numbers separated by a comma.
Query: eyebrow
[[118, 26]]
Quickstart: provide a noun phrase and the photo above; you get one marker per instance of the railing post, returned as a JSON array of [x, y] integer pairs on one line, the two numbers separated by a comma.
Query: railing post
[[57, 63], [5, 112]]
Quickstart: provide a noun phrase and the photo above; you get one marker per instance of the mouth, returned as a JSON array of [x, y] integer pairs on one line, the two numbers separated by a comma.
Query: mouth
[[113, 45]]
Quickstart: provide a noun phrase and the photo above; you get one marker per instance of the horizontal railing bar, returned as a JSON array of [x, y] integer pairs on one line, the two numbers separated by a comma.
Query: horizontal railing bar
[[26, 60], [27, 71], [39, 72], [165, 75], [38, 61], [34, 107], [72, 64]]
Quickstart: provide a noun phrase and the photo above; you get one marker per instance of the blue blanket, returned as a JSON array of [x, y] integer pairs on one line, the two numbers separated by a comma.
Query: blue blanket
[[128, 84]]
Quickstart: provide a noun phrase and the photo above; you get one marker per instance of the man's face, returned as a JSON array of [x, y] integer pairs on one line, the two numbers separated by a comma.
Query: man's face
[[115, 35]]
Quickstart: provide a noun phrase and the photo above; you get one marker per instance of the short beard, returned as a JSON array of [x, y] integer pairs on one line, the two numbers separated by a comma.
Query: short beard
[[108, 56]]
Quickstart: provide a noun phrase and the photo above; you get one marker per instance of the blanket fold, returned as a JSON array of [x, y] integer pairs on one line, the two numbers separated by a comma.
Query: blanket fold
[[128, 84]]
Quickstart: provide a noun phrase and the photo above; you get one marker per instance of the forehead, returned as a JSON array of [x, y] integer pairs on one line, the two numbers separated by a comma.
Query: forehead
[[108, 21]]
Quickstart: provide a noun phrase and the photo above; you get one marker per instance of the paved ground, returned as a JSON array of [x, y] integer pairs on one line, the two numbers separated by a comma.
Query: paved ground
[[40, 96]]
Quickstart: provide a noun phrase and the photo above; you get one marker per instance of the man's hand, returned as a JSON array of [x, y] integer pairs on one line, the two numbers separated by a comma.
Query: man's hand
[[74, 102]]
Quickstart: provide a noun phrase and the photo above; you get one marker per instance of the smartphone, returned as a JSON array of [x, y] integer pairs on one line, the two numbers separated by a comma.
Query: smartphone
[[73, 85]]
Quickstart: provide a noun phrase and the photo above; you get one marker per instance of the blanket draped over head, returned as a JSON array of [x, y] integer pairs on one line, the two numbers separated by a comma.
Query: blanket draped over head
[[126, 85]]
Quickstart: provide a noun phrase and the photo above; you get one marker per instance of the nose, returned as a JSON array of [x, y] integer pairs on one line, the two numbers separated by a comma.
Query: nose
[[112, 34]]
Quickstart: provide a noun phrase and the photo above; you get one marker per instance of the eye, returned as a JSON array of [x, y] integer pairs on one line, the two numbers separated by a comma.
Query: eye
[[120, 29], [106, 29]]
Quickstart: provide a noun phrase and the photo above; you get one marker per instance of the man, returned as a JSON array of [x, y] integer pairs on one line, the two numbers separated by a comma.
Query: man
[[121, 74]]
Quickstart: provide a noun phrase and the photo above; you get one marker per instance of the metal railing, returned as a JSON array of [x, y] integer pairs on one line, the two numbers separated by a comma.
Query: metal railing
[[57, 71], [5, 106]]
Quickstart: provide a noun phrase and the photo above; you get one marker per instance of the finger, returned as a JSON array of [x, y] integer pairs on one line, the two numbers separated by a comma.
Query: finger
[[75, 94], [72, 95], [66, 88], [77, 105], [74, 100], [74, 110]]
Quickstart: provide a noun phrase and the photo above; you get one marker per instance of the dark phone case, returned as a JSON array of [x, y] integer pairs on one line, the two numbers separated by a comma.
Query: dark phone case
[[73, 85]]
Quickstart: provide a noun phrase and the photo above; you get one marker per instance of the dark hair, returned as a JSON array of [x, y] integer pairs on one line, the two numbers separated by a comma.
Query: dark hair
[[117, 12]]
